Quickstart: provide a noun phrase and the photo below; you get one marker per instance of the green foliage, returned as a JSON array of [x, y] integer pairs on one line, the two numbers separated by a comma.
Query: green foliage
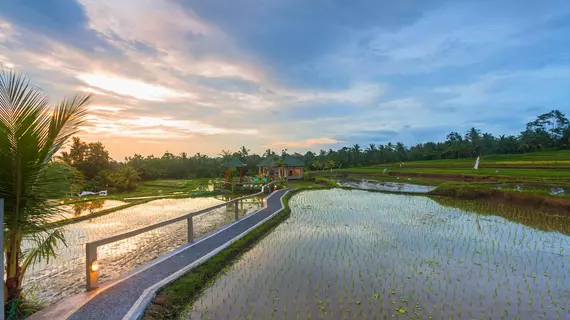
[[326, 182], [90, 158], [31, 132], [125, 179], [66, 179]]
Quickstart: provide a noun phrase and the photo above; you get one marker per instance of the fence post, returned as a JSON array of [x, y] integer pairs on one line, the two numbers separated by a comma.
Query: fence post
[[190, 229], [92, 270], [236, 209]]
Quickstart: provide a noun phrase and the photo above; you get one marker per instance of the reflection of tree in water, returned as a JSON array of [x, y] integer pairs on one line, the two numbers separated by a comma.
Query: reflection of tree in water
[[531, 218], [81, 207]]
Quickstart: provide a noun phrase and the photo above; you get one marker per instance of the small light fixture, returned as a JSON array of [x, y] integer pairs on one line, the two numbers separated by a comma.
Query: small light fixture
[[94, 265]]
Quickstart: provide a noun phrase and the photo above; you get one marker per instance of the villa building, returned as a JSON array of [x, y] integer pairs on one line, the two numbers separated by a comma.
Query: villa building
[[288, 167]]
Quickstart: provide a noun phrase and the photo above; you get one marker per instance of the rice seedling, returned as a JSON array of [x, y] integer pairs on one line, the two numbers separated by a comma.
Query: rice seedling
[[354, 255]]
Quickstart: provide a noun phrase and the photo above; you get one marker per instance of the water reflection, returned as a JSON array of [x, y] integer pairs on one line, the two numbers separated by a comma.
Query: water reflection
[[385, 186], [531, 218], [53, 280], [86, 207], [550, 189], [360, 255]]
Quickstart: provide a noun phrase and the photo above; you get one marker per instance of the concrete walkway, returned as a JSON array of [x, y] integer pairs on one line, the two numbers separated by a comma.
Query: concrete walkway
[[127, 298]]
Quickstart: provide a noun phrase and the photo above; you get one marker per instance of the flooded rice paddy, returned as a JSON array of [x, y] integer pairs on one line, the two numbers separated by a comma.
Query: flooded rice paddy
[[85, 208], [553, 190], [49, 281], [360, 255], [385, 186]]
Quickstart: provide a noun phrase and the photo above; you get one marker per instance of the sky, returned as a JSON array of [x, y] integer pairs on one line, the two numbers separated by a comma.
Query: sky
[[201, 76]]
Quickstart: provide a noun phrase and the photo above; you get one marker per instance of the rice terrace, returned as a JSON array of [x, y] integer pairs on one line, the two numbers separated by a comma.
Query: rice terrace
[[402, 248], [285, 160]]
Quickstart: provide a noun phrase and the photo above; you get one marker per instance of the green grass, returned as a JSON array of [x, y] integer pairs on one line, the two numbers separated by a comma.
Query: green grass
[[163, 188], [522, 173], [549, 158], [172, 300]]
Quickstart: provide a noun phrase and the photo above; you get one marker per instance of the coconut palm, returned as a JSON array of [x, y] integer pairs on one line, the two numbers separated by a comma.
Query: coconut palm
[[126, 178], [31, 132]]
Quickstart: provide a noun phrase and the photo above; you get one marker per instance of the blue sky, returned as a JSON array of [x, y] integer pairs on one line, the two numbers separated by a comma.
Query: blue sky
[[201, 76]]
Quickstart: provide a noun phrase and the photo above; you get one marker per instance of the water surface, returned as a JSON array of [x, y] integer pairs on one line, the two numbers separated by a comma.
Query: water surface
[[360, 255], [385, 186], [52, 280], [85, 208]]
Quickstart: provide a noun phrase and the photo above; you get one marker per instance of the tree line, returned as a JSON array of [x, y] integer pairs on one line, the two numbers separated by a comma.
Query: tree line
[[548, 131]]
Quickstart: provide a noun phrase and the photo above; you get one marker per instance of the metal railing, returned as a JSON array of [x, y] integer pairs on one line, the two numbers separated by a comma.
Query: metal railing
[[91, 263]]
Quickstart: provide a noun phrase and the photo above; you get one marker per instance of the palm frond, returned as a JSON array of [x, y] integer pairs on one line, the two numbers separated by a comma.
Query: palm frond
[[45, 245], [30, 134]]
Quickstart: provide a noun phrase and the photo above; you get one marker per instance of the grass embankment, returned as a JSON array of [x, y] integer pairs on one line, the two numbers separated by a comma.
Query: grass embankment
[[535, 200], [157, 188], [150, 190], [175, 298], [533, 218]]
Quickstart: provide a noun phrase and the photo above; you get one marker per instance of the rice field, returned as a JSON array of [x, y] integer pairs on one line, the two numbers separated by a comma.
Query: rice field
[[360, 255], [85, 208], [384, 186], [50, 281]]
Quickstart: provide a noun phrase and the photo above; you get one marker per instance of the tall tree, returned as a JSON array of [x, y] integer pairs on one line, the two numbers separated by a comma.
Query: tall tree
[[31, 132]]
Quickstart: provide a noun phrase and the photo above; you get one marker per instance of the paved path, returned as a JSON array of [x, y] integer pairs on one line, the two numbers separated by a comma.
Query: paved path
[[116, 301]]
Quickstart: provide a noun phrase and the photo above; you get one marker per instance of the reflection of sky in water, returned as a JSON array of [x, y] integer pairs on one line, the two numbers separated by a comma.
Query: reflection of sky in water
[[66, 274], [552, 190], [354, 254], [386, 186]]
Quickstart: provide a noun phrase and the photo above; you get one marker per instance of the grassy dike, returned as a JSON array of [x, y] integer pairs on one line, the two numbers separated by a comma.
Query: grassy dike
[[533, 200], [130, 203], [173, 300]]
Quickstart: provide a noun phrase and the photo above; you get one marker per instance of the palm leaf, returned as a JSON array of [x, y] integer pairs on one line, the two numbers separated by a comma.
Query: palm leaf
[[45, 244], [30, 134]]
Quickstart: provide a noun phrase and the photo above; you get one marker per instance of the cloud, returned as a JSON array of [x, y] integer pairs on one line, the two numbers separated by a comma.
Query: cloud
[[154, 127], [510, 87], [303, 144], [130, 87], [105, 108], [206, 75]]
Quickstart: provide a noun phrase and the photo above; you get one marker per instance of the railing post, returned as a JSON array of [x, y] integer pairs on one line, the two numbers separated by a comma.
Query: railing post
[[190, 229], [236, 209], [92, 270]]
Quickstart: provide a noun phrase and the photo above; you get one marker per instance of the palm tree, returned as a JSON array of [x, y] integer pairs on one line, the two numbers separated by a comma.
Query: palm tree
[[226, 155], [356, 150], [371, 153], [31, 132], [243, 152], [126, 178], [329, 164]]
